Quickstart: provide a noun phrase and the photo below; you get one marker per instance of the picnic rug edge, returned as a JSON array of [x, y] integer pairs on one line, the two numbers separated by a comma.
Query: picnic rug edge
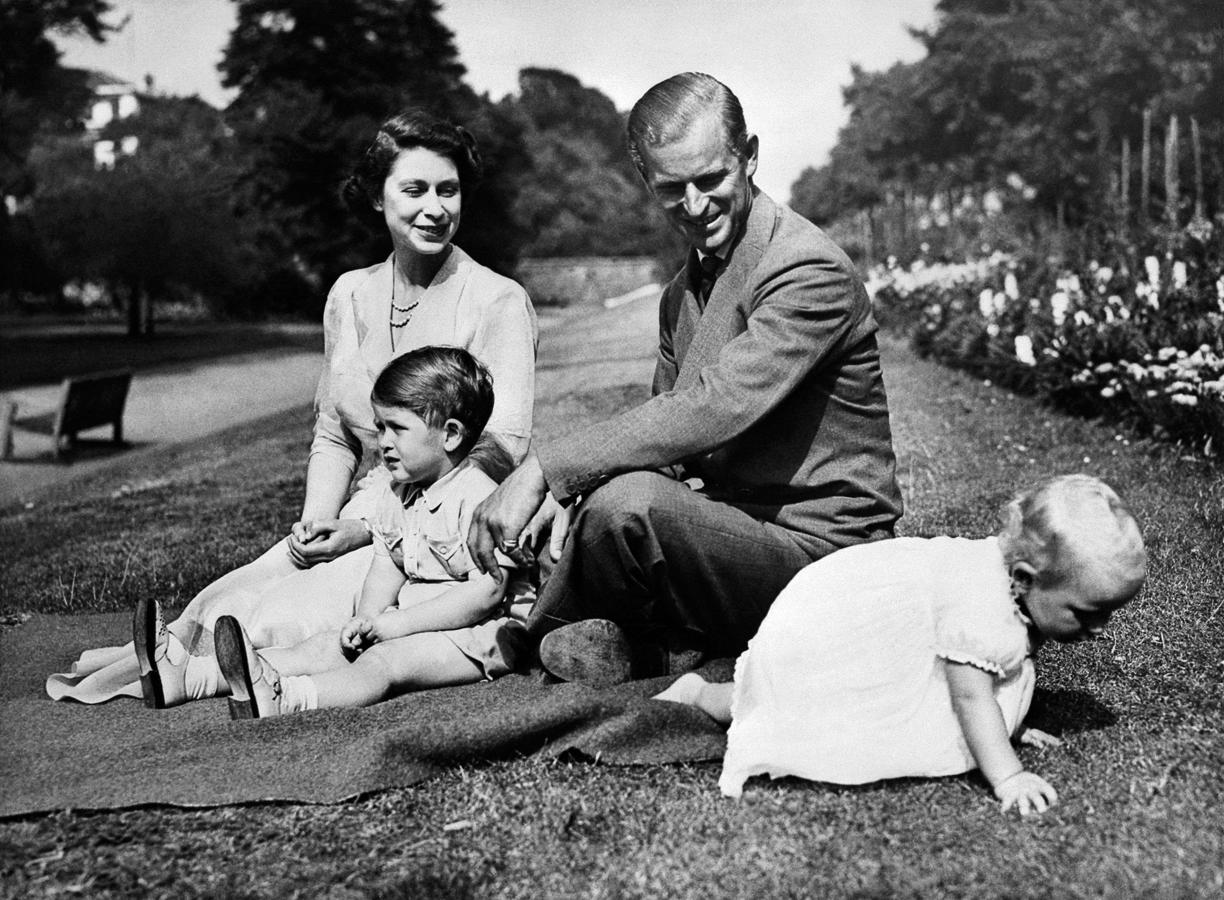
[[120, 755]]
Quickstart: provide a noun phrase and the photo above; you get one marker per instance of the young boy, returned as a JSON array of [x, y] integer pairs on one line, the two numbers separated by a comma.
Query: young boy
[[426, 616]]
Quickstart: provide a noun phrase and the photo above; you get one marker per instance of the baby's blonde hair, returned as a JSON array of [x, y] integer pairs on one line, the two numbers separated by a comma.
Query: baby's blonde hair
[[1071, 523]]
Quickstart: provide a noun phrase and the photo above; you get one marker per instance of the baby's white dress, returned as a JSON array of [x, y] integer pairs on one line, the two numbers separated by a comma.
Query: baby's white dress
[[845, 682]]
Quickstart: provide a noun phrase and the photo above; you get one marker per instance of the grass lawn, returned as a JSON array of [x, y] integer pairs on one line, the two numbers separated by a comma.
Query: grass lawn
[[41, 351], [1141, 777]]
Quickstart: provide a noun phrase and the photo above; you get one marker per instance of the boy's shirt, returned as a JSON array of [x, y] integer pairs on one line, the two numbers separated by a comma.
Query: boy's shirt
[[424, 531]]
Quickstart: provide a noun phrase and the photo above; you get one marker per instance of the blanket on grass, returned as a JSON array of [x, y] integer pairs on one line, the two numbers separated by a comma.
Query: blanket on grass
[[121, 754]]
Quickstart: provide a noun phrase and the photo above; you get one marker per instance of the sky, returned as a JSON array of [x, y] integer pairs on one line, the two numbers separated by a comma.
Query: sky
[[787, 60]]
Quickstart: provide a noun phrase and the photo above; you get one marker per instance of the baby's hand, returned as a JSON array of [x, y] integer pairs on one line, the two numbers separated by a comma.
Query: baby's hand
[[1028, 792], [355, 635], [1031, 737]]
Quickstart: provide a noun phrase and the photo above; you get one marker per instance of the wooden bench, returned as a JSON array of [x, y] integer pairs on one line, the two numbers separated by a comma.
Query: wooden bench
[[86, 401]]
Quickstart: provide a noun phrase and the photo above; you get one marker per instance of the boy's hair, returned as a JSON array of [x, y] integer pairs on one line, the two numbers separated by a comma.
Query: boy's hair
[[1071, 523], [439, 383]]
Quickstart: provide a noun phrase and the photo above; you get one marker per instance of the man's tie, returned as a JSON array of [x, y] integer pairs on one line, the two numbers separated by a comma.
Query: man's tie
[[709, 274]]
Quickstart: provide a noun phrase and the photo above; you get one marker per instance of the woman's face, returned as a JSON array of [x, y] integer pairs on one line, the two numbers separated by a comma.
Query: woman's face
[[421, 201]]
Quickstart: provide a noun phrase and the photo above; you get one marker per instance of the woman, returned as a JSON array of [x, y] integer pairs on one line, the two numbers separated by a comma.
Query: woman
[[414, 177]]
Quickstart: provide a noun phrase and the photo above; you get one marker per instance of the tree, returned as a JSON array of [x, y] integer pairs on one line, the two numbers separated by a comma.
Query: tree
[[35, 91], [583, 195], [1045, 89], [160, 221], [315, 79]]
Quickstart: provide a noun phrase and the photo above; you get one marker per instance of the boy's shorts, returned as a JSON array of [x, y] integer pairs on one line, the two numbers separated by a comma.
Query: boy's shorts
[[497, 647]]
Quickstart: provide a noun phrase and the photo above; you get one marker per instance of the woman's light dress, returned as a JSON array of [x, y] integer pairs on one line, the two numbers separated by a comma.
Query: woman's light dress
[[845, 681], [466, 305]]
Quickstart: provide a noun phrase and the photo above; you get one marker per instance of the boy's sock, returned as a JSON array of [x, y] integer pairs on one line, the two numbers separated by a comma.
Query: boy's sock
[[201, 675], [298, 693]]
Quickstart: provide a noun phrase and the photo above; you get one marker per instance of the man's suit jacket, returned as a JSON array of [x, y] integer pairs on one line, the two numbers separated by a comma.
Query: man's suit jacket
[[772, 393]]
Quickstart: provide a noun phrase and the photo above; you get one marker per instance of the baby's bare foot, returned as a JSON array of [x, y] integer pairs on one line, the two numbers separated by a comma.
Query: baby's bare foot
[[685, 689]]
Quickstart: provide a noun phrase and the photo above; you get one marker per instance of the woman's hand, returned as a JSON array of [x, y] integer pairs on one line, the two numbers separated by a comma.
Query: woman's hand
[[356, 636], [1028, 792], [323, 540]]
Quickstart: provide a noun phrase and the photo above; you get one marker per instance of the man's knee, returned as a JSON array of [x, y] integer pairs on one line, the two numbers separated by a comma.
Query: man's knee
[[624, 503]]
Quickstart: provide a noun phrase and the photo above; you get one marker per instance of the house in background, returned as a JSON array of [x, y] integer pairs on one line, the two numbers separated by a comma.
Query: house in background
[[113, 99]]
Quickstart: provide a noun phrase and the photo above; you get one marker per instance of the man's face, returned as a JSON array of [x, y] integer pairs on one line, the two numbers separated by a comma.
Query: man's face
[[703, 187]]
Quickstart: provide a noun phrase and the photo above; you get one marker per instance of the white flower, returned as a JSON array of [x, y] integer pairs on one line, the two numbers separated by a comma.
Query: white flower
[[1108, 391], [992, 329], [1024, 350], [1184, 399], [1059, 304], [1164, 354], [1104, 368], [1152, 266], [986, 303], [1104, 275], [1012, 289], [1179, 274], [1082, 318]]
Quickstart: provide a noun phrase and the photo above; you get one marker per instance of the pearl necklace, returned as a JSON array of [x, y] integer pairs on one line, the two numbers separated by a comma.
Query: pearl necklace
[[407, 310], [395, 307]]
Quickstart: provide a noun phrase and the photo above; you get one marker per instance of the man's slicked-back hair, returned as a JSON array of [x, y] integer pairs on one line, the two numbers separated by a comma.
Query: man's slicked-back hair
[[439, 383], [667, 110]]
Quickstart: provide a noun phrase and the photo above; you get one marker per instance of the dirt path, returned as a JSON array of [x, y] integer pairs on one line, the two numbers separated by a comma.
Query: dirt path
[[581, 348]]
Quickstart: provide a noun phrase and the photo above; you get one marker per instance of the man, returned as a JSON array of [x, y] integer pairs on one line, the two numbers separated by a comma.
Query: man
[[767, 398]]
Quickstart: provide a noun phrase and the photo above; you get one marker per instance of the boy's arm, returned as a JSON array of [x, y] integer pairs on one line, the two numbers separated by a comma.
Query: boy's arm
[[381, 586], [467, 603], [981, 720]]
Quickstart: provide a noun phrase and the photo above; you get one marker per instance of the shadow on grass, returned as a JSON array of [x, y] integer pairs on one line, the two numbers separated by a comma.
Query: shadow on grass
[[1061, 711], [82, 450]]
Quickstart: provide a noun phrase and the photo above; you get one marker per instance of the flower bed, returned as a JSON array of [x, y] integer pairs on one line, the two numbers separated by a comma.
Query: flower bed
[[1144, 347]]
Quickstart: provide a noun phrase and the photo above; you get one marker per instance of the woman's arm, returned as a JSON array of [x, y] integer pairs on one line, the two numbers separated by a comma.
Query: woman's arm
[[504, 339], [318, 536], [981, 720], [467, 603]]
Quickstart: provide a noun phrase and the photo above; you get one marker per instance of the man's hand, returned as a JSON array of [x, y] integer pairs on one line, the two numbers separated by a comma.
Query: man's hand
[[500, 521], [323, 540], [1028, 792], [551, 519], [355, 636]]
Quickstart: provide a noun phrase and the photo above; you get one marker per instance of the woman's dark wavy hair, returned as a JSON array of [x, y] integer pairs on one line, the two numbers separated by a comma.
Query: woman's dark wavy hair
[[411, 128]]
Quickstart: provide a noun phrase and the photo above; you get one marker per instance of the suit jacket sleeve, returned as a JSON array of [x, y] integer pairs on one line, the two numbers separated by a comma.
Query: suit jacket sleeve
[[802, 313]]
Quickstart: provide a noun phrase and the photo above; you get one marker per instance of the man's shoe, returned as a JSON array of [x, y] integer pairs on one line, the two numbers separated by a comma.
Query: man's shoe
[[593, 652], [685, 651], [161, 657], [255, 688]]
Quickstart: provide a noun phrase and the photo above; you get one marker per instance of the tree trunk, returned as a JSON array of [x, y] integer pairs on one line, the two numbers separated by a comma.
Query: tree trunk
[[1145, 169], [146, 312], [133, 308]]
